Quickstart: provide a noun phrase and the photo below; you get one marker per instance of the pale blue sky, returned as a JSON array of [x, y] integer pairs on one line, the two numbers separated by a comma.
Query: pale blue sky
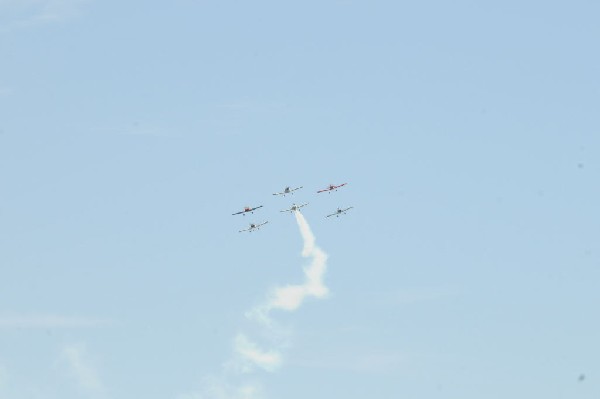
[[468, 132]]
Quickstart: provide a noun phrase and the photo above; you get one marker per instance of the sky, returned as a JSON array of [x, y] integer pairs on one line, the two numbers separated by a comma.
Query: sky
[[468, 133]]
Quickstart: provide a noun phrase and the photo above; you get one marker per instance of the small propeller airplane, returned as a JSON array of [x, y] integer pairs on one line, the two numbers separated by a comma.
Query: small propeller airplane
[[254, 226], [288, 190], [340, 211], [331, 188], [294, 208], [246, 210]]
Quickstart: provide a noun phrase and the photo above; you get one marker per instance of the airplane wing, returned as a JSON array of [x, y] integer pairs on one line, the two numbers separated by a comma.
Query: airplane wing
[[286, 210], [322, 191], [333, 214], [278, 193], [300, 206], [294, 189], [243, 230], [237, 213], [341, 185], [344, 210], [253, 209]]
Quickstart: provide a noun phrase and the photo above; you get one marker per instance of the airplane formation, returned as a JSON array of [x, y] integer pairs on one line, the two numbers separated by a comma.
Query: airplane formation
[[294, 208]]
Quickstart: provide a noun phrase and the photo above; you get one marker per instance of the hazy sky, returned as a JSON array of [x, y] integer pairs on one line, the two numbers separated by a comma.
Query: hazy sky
[[468, 133]]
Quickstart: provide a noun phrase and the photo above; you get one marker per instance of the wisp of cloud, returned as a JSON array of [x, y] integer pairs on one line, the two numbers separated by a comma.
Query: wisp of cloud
[[79, 366]]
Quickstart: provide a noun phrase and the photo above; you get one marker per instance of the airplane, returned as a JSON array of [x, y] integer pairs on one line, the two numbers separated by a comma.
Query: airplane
[[331, 188], [288, 190], [246, 210], [340, 211], [254, 226], [294, 208]]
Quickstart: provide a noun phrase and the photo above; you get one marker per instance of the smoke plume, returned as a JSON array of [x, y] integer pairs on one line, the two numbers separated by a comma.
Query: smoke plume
[[248, 355], [288, 298]]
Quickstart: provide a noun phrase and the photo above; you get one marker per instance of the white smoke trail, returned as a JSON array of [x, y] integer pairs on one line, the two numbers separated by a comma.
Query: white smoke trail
[[249, 355], [289, 297], [268, 360]]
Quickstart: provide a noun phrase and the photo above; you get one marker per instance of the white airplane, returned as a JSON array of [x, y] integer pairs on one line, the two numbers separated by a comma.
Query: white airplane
[[340, 211], [288, 190], [294, 208], [254, 226]]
